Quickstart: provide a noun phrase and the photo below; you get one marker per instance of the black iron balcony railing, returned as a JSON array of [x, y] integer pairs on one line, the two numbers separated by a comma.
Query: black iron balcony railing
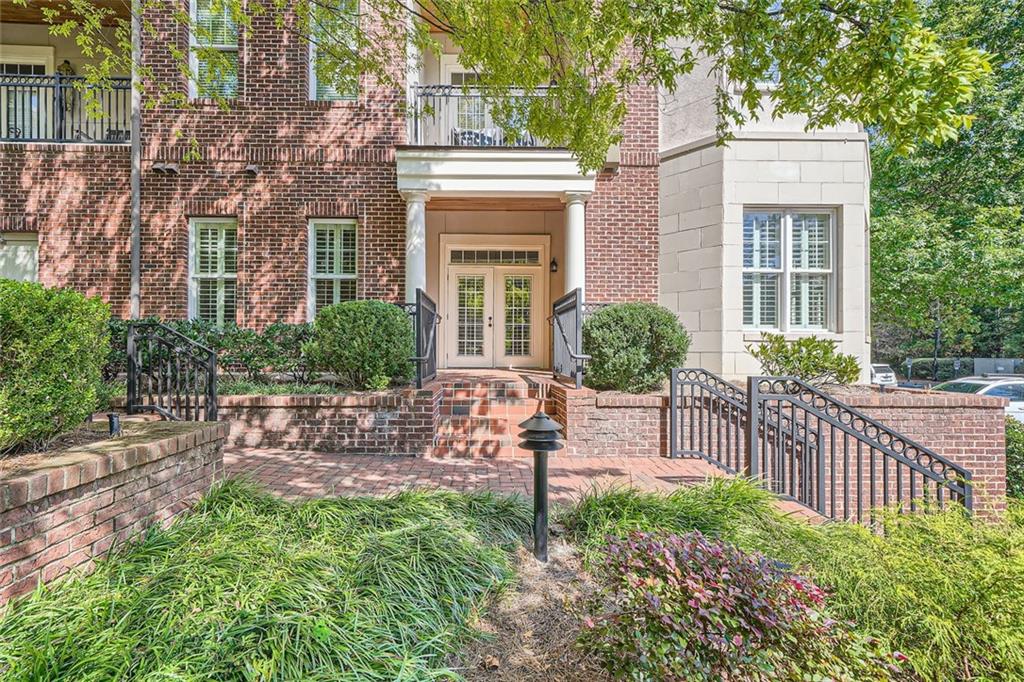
[[449, 116], [59, 109]]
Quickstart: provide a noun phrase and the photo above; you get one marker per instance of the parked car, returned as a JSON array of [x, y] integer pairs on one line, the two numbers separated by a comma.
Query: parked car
[[1000, 386], [883, 375]]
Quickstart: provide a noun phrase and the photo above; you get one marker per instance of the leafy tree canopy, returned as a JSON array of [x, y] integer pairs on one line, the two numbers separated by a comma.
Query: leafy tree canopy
[[871, 61]]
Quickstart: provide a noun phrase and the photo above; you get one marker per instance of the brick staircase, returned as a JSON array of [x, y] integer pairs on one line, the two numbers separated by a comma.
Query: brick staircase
[[481, 418]]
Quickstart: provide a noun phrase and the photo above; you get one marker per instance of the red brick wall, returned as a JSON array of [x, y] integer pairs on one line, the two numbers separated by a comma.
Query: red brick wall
[[622, 215], [55, 519], [76, 198], [316, 160], [611, 424], [394, 423]]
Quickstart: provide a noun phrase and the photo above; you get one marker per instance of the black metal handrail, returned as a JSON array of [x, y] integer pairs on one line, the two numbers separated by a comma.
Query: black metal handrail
[[807, 446], [170, 374], [856, 464], [450, 115], [567, 356], [64, 109], [425, 322]]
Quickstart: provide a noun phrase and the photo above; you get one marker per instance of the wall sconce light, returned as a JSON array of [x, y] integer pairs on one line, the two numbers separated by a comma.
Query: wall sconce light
[[554, 265]]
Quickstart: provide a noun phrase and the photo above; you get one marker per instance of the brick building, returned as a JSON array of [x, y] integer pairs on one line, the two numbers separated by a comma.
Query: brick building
[[297, 196]]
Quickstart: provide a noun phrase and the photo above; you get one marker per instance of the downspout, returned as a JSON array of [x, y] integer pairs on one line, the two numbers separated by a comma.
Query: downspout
[[136, 161]]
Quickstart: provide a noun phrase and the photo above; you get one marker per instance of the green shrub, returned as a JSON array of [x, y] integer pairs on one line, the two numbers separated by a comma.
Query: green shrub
[[244, 350], [53, 345], [688, 608], [367, 344], [807, 358], [250, 587], [944, 589], [288, 350], [1014, 457], [633, 346]]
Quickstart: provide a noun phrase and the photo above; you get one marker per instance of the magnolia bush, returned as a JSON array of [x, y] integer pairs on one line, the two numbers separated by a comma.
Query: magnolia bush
[[808, 358]]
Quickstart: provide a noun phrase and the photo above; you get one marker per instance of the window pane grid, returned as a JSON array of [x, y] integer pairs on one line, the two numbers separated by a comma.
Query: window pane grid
[[787, 292], [215, 269], [334, 264], [215, 30], [518, 305], [471, 315]]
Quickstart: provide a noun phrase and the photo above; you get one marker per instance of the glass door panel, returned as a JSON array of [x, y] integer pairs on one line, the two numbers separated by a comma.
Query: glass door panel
[[471, 321]]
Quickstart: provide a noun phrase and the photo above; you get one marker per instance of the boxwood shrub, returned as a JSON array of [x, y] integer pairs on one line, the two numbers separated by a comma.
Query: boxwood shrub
[[367, 344], [53, 345], [633, 347]]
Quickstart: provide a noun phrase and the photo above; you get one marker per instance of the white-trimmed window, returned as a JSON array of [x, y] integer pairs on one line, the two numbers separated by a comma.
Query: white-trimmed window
[[214, 30], [788, 281], [213, 266], [332, 263], [334, 31]]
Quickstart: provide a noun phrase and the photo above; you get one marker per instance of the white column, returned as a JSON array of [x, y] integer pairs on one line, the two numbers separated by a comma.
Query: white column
[[575, 240], [415, 243]]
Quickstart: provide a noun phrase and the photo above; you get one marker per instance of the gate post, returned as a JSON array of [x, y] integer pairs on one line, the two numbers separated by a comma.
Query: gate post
[[750, 465]]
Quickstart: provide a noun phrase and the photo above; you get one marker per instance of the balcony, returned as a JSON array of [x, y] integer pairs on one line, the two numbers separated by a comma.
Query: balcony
[[40, 108], [449, 116]]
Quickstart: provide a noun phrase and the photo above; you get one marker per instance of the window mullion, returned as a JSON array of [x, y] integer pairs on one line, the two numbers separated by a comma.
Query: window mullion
[[785, 283]]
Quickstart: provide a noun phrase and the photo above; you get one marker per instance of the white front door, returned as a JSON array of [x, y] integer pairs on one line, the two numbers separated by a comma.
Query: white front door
[[495, 317]]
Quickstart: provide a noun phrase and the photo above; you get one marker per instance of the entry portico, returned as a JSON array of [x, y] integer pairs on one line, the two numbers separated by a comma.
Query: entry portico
[[494, 235]]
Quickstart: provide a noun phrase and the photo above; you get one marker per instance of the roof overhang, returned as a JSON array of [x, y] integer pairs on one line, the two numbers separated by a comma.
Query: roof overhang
[[490, 171]]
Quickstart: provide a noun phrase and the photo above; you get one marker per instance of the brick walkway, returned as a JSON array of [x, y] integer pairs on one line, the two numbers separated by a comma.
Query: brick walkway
[[311, 474]]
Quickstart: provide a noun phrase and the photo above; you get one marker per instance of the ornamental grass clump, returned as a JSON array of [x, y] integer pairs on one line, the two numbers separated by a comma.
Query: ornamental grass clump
[[250, 587], [690, 608]]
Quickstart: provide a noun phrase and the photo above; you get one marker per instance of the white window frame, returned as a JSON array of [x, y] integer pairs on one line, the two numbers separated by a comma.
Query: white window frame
[[786, 271], [311, 275], [342, 97], [193, 58], [193, 277]]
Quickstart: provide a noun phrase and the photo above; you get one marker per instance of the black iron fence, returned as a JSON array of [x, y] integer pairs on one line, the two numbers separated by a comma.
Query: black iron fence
[[567, 357], [170, 374], [425, 322], [64, 109], [448, 115], [807, 446]]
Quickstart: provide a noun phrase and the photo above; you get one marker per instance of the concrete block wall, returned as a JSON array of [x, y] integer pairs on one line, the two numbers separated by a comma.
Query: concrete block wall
[[704, 190]]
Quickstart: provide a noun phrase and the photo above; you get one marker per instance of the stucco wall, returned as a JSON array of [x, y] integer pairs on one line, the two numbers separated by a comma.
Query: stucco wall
[[704, 189]]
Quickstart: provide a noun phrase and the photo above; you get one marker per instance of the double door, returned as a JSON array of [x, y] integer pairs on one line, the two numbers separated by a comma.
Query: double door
[[495, 317]]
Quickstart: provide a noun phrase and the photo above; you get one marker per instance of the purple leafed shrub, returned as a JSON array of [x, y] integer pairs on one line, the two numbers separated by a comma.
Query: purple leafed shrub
[[689, 608]]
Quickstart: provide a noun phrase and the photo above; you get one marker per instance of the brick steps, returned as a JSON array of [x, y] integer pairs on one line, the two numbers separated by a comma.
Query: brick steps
[[481, 419]]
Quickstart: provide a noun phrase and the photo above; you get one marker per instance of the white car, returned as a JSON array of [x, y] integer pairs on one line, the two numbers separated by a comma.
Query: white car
[[1004, 386], [883, 375]]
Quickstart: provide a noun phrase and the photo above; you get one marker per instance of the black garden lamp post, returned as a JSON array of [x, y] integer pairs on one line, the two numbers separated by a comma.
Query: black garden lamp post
[[542, 435]]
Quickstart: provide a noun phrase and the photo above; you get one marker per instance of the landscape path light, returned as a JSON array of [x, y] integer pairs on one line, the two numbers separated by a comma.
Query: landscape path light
[[542, 435]]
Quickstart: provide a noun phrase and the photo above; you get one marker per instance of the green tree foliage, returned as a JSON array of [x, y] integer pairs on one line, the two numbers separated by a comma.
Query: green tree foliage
[[948, 246], [871, 61], [1014, 457], [53, 344], [808, 358]]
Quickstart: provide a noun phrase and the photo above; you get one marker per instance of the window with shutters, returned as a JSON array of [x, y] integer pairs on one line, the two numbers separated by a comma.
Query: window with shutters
[[214, 270], [333, 27], [213, 50], [332, 263], [788, 278]]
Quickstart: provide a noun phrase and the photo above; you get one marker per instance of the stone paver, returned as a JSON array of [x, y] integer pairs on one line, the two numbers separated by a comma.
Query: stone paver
[[294, 473]]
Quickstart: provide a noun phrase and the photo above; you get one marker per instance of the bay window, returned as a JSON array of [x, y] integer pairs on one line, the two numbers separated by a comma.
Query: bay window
[[788, 276], [332, 263]]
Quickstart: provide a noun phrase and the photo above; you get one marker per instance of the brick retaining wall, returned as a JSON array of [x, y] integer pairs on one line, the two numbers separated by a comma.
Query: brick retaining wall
[[399, 422], [64, 511]]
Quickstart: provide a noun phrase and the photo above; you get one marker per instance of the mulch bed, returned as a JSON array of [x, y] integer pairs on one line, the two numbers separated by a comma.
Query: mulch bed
[[531, 631]]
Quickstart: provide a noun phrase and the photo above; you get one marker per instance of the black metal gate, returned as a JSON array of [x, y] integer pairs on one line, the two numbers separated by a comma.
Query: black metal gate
[[425, 321], [567, 357], [808, 446], [170, 374]]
